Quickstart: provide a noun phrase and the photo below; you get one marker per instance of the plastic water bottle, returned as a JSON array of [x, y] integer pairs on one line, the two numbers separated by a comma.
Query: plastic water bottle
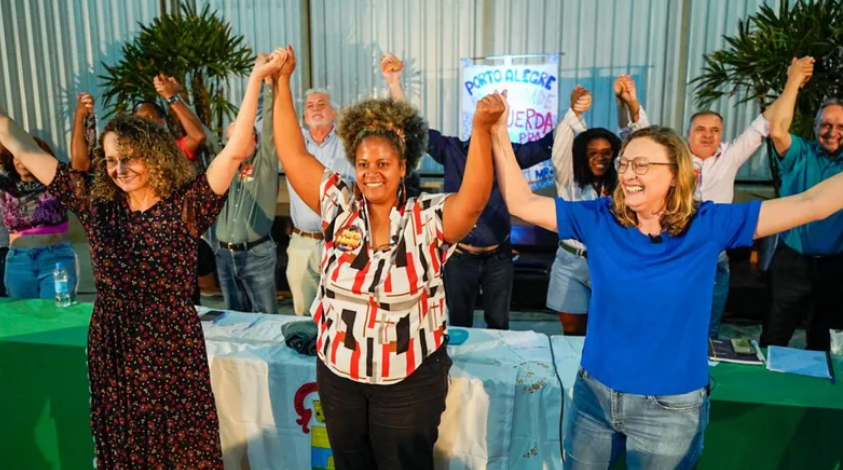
[[60, 279]]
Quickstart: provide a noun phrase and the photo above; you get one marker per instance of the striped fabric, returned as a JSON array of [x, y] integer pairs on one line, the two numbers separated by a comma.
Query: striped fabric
[[380, 314]]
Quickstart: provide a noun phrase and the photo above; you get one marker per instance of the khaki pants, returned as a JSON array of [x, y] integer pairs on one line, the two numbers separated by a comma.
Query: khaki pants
[[304, 257]]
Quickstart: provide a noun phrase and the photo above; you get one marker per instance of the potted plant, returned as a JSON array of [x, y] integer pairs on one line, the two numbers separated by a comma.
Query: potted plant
[[197, 48], [753, 65]]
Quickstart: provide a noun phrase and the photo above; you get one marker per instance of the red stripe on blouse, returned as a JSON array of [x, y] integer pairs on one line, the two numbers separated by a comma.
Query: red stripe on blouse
[[360, 278], [373, 312], [340, 261], [385, 360], [434, 259], [412, 278]]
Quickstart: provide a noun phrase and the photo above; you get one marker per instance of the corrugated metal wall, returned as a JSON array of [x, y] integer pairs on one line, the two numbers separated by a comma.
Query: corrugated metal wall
[[52, 49], [658, 42], [266, 24]]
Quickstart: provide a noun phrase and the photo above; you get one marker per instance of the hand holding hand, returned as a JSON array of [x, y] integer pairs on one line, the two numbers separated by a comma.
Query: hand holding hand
[[84, 105], [166, 86], [489, 110], [580, 100], [391, 68]]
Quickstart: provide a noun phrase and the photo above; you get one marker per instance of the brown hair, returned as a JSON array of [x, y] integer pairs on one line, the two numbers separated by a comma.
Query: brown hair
[[396, 121], [680, 206], [150, 143]]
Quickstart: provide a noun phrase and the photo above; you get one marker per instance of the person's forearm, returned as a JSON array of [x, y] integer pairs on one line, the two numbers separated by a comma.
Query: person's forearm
[[780, 113], [817, 203], [267, 140], [224, 167], [20, 144], [477, 180], [396, 91], [511, 182], [302, 170], [623, 116], [80, 158], [288, 136], [191, 124], [827, 197]]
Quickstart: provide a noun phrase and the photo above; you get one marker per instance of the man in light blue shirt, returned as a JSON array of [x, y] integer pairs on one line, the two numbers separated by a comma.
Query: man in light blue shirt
[[304, 252], [808, 264]]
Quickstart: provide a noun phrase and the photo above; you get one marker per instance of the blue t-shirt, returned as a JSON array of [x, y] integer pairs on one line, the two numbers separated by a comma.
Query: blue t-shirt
[[803, 166], [651, 302]]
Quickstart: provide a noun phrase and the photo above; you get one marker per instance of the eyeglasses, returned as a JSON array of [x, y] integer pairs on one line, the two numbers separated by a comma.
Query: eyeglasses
[[112, 162], [640, 165]]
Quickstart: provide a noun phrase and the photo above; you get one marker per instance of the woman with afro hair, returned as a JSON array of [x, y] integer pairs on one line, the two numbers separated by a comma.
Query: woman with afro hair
[[382, 370]]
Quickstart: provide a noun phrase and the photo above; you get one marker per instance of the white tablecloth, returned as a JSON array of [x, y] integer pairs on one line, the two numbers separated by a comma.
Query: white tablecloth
[[567, 353], [503, 406]]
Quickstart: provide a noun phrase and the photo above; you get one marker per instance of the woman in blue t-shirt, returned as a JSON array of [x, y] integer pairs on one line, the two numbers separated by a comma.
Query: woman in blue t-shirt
[[643, 381]]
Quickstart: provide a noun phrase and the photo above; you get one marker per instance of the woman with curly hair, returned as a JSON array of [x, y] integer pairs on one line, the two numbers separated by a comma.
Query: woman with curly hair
[[143, 209], [37, 224], [652, 256], [382, 369]]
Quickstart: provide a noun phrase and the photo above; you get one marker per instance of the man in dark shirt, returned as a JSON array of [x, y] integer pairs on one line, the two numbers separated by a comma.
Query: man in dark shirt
[[483, 259]]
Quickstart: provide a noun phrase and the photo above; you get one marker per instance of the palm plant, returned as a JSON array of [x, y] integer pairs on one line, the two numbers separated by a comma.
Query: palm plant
[[754, 63], [198, 49]]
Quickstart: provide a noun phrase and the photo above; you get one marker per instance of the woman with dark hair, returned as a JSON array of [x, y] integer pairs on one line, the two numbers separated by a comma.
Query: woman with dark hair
[[383, 367], [143, 210], [584, 171], [37, 224]]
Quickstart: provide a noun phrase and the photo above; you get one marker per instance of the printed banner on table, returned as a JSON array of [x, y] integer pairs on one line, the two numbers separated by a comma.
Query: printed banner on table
[[533, 96]]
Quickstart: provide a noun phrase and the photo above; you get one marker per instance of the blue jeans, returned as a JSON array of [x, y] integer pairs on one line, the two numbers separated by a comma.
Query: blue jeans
[[465, 275], [658, 432], [721, 294], [247, 278], [29, 271]]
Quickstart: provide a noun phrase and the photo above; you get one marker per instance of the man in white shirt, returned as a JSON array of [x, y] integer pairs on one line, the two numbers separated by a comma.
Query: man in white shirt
[[716, 164], [304, 251]]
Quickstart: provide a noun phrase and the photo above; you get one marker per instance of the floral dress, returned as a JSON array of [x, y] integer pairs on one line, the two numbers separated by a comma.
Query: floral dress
[[151, 399]]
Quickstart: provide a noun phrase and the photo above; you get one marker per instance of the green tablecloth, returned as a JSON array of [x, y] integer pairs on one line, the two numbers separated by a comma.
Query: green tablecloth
[[44, 409], [759, 419], [769, 420]]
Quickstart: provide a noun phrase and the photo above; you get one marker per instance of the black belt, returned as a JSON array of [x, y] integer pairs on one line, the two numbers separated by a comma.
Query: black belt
[[243, 246], [572, 250]]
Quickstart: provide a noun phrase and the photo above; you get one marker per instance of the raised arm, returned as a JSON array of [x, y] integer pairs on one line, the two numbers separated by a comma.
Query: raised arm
[[563, 139], [626, 97], [781, 116], [80, 157], [817, 203], [225, 165], [520, 200], [391, 68], [464, 208], [168, 87], [303, 170], [41, 164], [266, 149]]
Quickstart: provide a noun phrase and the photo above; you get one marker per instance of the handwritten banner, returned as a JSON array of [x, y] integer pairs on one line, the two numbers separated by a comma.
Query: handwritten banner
[[533, 96]]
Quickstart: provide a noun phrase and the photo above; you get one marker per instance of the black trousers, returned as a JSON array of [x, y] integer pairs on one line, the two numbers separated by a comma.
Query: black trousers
[[466, 273], [385, 427], [804, 286]]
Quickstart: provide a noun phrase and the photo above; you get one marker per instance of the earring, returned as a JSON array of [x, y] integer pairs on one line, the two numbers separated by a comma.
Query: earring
[[402, 195]]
